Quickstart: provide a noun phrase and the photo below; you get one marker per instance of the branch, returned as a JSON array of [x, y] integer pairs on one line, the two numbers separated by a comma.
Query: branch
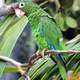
[[35, 58], [6, 59], [17, 64], [39, 55], [62, 51]]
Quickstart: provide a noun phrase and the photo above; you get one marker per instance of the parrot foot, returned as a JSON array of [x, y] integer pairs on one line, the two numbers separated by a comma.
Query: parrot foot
[[43, 52], [38, 52], [37, 56]]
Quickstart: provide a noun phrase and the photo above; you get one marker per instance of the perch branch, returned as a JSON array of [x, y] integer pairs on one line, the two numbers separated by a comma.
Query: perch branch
[[35, 58], [38, 56], [52, 52], [17, 64], [63, 51], [6, 59]]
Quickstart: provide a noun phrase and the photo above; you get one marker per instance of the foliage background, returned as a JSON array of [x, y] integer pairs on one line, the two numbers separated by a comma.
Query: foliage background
[[67, 15]]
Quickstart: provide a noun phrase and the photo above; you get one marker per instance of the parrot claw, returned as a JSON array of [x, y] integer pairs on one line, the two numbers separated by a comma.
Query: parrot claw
[[38, 52], [43, 52]]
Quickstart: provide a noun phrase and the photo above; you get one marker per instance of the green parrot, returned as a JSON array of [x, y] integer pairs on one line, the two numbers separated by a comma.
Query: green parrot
[[45, 30]]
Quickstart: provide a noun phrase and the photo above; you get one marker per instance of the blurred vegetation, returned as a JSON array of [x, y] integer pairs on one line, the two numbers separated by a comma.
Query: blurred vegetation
[[67, 15]]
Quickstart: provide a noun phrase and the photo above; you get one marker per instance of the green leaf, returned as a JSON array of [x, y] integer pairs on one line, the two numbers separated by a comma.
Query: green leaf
[[42, 69], [71, 22], [53, 70], [6, 24], [76, 6], [73, 46], [74, 43], [60, 20], [66, 3], [10, 37], [21, 78], [77, 68], [36, 66], [1, 22], [12, 69], [61, 68]]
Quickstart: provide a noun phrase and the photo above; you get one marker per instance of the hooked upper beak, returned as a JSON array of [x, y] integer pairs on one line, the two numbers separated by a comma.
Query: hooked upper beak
[[18, 11]]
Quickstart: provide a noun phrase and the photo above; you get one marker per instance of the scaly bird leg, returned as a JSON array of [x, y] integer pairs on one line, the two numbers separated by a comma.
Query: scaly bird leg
[[34, 58], [43, 52]]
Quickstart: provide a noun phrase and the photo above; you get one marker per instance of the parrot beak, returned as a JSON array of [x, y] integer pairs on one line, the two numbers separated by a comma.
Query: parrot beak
[[19, 12]]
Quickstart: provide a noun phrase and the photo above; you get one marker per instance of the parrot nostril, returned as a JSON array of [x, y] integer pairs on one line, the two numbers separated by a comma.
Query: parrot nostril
[[21, 5]]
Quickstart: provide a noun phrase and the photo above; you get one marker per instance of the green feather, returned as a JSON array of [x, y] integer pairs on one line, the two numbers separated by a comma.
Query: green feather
[[43, 27], [51, 31], [38, 37]]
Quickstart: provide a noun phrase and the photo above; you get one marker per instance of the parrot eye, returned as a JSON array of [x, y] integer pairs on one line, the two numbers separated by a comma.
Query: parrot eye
[[21, 5]]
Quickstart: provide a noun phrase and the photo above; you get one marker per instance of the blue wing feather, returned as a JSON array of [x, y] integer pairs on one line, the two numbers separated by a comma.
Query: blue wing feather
[[61, 58]]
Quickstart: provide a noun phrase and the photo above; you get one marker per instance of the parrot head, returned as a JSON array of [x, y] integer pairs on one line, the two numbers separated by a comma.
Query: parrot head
[[26, 8], [18, 10]]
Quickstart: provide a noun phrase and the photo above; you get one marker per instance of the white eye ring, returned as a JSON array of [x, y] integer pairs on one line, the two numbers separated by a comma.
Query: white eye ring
[[21, 5]]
